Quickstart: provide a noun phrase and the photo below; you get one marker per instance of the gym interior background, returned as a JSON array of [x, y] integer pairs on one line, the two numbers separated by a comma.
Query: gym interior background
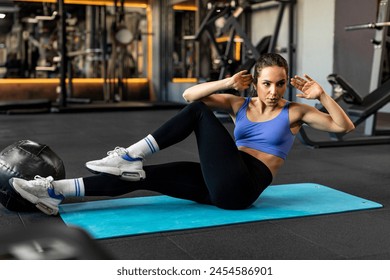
[[159, 56], [107, 60]]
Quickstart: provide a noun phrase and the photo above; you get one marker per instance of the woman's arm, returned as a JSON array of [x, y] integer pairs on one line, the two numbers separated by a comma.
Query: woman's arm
[[239, 81], [335, 121]]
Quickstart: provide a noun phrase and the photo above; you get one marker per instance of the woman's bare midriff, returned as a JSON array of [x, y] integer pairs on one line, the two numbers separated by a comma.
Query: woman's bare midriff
[[272, 162]]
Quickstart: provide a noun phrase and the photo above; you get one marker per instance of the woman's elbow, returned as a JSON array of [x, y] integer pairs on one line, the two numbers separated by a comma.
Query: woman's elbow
[[187, 96]]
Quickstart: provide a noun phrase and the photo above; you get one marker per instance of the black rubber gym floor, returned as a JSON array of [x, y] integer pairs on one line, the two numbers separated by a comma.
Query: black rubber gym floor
[[359, 170]]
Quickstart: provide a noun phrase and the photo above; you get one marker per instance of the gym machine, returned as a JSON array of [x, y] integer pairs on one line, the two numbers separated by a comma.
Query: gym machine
[[223, 18], [74, 42], [363, 108], [120, 66], [62, 60]]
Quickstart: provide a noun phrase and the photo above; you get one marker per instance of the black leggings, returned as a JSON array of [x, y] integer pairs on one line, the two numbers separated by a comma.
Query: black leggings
[[225, 177]]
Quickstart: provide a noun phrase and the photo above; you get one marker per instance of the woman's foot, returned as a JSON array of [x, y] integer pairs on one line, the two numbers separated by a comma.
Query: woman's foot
[[118, 163], [40, 192]]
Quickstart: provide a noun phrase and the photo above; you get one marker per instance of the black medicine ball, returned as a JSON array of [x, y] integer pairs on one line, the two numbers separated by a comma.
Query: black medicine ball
[[25, 159]]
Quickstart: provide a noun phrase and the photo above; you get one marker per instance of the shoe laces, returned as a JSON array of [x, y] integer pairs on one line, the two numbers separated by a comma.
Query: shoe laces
[[42, 181], [118, 151]]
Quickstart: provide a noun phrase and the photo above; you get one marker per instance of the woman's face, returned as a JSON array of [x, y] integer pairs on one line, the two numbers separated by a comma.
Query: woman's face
[[271, 85]]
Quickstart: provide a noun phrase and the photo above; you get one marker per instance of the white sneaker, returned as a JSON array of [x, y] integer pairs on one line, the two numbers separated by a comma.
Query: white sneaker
[[118, 163], [40, 192]]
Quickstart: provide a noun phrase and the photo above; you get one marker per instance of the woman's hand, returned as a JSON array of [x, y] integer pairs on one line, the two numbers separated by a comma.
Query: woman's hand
[[310, 89], [241, 80], [335, 120]]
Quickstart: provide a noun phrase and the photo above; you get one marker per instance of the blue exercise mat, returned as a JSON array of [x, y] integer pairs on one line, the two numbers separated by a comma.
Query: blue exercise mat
[[141, 215]]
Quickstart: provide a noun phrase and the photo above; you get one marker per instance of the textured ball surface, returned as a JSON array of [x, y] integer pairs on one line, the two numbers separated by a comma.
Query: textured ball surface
[[25, 159]]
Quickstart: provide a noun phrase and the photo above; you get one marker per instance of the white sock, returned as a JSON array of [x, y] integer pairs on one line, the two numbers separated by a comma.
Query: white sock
[[143, 148], [69, 187]]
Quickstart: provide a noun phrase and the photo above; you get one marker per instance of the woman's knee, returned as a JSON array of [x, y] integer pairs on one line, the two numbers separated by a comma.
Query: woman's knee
[[197, 106]]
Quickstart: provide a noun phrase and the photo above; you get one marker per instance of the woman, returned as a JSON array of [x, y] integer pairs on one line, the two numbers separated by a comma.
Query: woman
[[231, 174]]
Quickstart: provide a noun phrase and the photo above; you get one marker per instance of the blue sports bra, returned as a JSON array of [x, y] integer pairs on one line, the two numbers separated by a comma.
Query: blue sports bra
[[273, 137]]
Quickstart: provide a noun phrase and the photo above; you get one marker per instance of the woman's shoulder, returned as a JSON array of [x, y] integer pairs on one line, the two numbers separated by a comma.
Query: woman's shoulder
[[298, 110], [298, 106], [237, 102]]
